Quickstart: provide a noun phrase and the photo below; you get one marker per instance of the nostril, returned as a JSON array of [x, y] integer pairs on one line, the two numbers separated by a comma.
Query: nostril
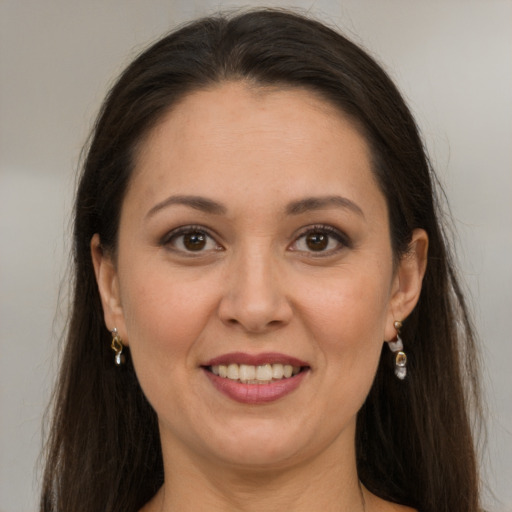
[[254, 307], [254, 325]]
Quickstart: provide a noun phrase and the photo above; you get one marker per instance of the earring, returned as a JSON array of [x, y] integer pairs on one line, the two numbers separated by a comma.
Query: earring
[[396, 346], [117, 347]]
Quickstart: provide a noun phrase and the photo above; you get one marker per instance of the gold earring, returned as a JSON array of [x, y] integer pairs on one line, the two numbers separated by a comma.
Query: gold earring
[[396, 346], [117, 347]]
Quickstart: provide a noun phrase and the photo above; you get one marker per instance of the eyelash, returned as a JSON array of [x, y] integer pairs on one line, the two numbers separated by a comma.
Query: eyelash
[[332, 233], [322, 229], [171, 237]]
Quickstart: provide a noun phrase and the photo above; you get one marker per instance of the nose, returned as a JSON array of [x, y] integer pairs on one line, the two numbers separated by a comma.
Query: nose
[[254, 297]]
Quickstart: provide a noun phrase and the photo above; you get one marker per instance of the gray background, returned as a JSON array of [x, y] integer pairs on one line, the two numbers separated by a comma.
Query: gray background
[[453, 61]]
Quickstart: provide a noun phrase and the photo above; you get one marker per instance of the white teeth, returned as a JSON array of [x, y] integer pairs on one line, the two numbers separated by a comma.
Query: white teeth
[[233, 371], [264, 372], [277, 371], [261, 374], [246, 372]]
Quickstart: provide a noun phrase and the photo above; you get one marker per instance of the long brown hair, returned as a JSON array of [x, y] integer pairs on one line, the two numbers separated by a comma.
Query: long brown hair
[[414, 438]]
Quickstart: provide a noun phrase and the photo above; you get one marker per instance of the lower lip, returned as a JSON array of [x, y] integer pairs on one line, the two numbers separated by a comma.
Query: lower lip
[[255, 393]]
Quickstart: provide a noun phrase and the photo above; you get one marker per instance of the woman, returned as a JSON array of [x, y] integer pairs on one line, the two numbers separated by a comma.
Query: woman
[[255, 219]]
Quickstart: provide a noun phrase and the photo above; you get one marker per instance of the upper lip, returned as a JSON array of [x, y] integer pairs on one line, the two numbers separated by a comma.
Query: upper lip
[[255, 359]]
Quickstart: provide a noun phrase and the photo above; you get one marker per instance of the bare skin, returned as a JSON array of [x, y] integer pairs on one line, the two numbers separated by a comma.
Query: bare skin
[[253, 224]]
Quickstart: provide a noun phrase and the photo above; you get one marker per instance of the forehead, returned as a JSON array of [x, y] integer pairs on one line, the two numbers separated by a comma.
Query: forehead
[[235, 139], [231, 113]]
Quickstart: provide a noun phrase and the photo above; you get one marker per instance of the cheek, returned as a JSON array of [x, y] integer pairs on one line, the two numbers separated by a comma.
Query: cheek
[[164, 320], [347, 315], [350, 302], [163, 315]]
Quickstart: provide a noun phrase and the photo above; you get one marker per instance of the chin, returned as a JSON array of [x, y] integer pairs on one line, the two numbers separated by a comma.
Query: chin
[[261, 457], [263, 446]]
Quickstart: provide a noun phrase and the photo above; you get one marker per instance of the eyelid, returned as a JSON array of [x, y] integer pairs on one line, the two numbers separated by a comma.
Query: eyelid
[[335, 233], [331, 231], [184, 230]]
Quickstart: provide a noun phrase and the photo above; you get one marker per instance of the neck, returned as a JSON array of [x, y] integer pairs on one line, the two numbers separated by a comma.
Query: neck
[[326, 483]]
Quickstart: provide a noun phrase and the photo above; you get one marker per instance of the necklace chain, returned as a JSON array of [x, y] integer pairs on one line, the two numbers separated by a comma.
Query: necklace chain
[[363, 501]]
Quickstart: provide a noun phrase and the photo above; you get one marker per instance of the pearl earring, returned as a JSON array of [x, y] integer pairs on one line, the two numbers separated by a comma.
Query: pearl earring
[[117, 347], [396, 346]]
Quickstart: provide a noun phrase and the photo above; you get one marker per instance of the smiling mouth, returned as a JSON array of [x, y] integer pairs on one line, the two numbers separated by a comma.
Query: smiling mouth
[[260, 374]]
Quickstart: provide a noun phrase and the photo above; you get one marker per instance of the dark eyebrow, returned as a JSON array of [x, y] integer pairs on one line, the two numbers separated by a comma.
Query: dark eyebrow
[[197, 202], [317, 203]]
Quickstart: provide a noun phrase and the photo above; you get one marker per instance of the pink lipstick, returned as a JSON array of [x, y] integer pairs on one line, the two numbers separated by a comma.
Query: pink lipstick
[[255, 378]]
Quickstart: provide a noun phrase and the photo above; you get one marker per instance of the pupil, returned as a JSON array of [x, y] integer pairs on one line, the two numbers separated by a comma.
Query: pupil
[[194, 241], [317, 241]]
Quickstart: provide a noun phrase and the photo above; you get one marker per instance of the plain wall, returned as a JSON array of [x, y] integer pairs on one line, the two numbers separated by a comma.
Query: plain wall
[[453, 61]]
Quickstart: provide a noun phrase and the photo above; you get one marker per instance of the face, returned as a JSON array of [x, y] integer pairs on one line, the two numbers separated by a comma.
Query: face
[[254, 279]]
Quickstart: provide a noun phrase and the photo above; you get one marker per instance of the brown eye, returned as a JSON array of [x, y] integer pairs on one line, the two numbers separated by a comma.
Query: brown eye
[[194, 241], [322, 240], [317, 241], [190, 240]]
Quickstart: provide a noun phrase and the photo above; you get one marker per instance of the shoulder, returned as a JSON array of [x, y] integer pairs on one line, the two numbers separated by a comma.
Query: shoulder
[[387, 506], [376, 504], [401, 508]]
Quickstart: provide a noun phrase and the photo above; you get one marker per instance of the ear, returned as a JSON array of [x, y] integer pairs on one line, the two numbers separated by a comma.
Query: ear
[[407, 281], [108, 286]]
